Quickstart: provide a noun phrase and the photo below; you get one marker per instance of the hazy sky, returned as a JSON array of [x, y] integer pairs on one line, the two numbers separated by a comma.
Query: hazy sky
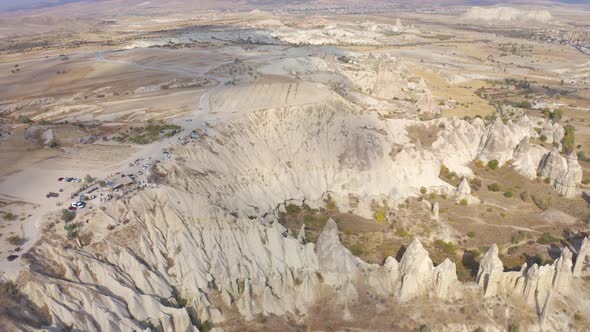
[[19, 4]]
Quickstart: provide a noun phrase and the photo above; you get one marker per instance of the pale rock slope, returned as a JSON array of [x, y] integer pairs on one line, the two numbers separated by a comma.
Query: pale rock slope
[[499, 140], [209, 236], [527, 158]]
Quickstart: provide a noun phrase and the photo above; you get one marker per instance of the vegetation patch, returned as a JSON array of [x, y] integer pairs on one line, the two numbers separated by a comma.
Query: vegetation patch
[[148, 134]]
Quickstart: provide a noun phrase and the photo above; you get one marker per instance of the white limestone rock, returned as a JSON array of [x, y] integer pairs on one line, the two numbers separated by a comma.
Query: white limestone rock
[[445, 278], [498, 142], [416, 271], [563, 271], [463, 192], [435, 210], [490, 272], [426, 103], [457, 143], [527, 157], [553, 132], [301, 236], [419, 277], [582, 267], [565, 183], [552, 165], [527, 126], [333, 257]]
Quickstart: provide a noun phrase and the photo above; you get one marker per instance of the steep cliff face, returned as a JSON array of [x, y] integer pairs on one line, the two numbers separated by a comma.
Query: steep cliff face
[[499, 141], [256, 162], [527, 158]]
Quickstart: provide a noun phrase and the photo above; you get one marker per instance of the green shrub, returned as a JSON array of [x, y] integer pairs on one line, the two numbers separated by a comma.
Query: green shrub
[[448, 248], [512, 250], [518, 237], [402, 232], [479, 164], [524, 196], [425, 328], [331, 204], [569, 139], [493, 164], [70, 226], [380, 215], [292, 209], [508, 194], [24, 119], [522, 104], [547, 238], [556, 115], [547, 180], [9, 216], [543, 204], [206, 326], [102, 184], [463, 202], [471, 234], [423, 190], [546, 113], [513, 328], [494, 187], [182, 302], [15, 240], [475, 184], [543, 138], [586, 181], [445, 172], [67, 215], [357, 250]]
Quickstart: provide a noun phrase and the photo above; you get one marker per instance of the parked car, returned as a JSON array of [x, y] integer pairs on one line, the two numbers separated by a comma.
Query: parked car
[[78, 205]]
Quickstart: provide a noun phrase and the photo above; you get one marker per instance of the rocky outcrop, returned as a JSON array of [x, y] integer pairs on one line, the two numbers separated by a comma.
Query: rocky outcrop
[[527, 127], [498, 142], [463, 192], [457, 144], [435, 210], [552, 165], [527, 158], [564, 173], [389, 82], [582, 267], [419, 277], [565, 183], [271, 156], [333, 257], [490, 271], [426, 103], [532, 283], [553, 132]]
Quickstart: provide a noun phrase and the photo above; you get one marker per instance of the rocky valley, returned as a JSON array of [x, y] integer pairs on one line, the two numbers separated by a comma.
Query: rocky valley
[[260, 169]]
